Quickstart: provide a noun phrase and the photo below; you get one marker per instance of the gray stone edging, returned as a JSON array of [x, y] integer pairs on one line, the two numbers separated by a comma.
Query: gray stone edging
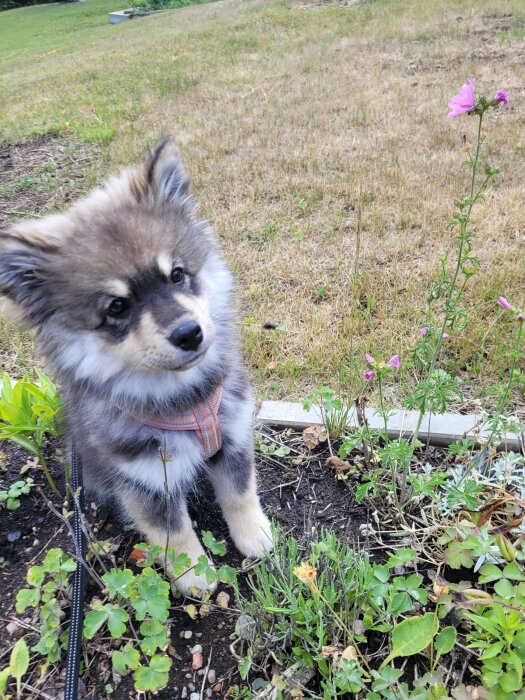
[[440, 429]]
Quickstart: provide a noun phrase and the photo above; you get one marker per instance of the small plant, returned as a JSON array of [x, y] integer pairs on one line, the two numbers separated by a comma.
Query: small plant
[[313, 607], [334, 412], [29, 412], [49, 585], [10, 497], [267, 447], [18, 665]]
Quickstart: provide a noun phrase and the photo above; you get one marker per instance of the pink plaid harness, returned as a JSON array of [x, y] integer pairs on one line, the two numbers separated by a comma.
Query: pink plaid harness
[[203, 419]]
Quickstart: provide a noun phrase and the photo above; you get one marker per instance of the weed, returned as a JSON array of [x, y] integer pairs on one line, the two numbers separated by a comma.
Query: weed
[[10, 497], [18, 665], [334, 412], [30, 411]]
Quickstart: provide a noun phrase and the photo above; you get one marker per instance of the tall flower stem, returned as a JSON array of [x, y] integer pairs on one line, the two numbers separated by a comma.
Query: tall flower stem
[[450, 293], [504, 397]]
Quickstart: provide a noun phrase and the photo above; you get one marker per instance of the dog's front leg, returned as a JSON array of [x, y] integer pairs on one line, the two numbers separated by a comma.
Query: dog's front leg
[[164, 520], [232, 474]]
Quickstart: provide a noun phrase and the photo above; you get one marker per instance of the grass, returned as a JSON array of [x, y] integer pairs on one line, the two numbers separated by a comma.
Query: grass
[[292, 118]]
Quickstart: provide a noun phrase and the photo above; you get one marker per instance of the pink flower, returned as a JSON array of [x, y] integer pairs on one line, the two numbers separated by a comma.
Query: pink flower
[[504, 303], [369, 374], [502, 97], [445, 336], [369, 359], [395, 361], [464, 101], [424, 330], [521, 317]]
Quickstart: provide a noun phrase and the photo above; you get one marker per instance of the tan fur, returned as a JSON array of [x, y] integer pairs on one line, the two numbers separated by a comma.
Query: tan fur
[[249, 527]]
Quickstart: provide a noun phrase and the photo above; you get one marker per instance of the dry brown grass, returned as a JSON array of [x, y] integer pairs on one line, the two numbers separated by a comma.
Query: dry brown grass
[[290, 118]]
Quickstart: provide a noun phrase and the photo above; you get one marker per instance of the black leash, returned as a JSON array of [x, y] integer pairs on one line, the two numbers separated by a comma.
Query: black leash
[[79, 581]]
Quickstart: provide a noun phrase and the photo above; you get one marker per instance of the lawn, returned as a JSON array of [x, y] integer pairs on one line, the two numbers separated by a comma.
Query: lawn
[[293, 117]]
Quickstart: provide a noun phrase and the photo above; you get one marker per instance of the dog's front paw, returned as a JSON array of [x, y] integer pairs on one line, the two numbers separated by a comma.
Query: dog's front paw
[[251, 533], [192, 584]]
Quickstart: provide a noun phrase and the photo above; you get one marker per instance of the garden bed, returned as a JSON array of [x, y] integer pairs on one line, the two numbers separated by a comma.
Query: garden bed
[[305, 490]]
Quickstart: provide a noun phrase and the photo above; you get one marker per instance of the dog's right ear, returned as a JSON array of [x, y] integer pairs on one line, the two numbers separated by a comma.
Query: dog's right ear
[[162, 177], [25, 257]]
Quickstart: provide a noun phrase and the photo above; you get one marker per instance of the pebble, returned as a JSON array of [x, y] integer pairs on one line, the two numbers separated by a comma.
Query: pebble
[[209, 692], [197, 649], [188, 634], [211, 676], [184, 692], [217, 687], [14, 630], [195, 696], [223, 599], [13, 536], [192, 686]]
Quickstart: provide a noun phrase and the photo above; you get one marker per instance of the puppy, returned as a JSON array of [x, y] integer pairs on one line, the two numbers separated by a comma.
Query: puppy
[[131, 302]]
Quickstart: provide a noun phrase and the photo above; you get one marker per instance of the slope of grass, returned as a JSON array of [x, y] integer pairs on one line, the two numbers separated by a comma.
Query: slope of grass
[[292, 116]]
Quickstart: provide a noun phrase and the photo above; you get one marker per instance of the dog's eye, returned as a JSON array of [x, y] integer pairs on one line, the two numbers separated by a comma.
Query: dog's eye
[[118, 307], [177, 275]]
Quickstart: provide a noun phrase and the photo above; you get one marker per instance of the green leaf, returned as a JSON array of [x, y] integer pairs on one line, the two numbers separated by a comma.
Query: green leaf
[[492, 650], [93, 622], [402, 556], [211, 543], [412, 636], [126, 660], [119, 582], [458, 556], [4, 677], [19, 662], [153, 677], [227, 574], [151, 597], [244, 667], [505, 589], [117, 618], [489, 572], [513, 572], [178, 563], [445, 640], [27, 597]]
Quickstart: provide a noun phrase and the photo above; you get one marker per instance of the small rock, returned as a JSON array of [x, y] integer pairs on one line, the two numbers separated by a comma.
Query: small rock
[[184, 692], [188, 634], [196, 661], [194, 696], [191, 686], [217, 687], [188, 675], [14, 630], [211, 676], [14, 536], [36, 543], [209, 692], [223, 599], [198, 634]]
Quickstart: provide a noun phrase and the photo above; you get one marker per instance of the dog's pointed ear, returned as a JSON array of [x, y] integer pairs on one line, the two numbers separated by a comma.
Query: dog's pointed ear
[[165, 174], [25, 257]]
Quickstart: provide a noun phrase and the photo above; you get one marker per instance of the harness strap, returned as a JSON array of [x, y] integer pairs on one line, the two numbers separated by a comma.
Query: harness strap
[[203, 419]]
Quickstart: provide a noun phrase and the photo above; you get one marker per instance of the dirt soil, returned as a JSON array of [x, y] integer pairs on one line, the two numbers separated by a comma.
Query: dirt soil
[[41, 175], [297, 491]]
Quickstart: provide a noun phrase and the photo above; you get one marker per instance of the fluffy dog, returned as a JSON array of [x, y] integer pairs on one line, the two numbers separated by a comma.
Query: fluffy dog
[[131, 302]]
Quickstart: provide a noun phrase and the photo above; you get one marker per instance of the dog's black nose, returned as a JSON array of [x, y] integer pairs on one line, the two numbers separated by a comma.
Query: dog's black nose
[[187, 336]]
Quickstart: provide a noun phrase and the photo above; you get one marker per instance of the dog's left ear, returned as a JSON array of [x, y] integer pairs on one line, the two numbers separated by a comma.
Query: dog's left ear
[[166, 176]]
